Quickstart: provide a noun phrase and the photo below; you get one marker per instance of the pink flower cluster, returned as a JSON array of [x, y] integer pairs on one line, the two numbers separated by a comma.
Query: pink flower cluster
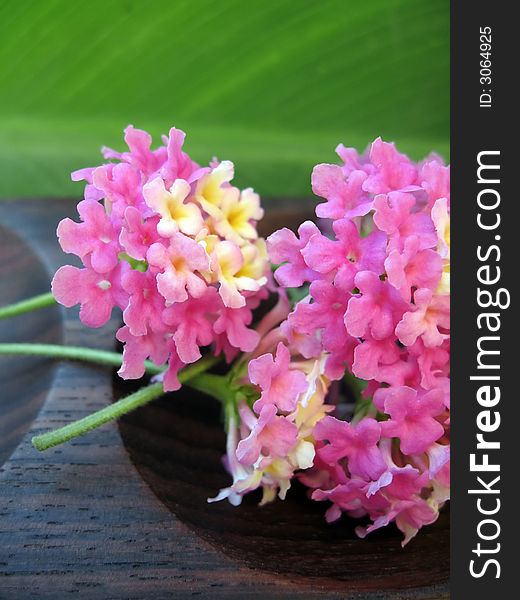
[[378, 308], [274, 438], [174, 246]]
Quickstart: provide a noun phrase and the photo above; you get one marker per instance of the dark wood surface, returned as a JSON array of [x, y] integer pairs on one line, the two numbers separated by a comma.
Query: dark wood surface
[[122, 512]]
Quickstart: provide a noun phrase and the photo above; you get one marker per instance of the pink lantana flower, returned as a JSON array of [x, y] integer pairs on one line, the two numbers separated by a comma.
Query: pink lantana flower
[[94, 238], [429, 318], [344, 194], [245, 479], [350, 497], [191, 325], [377, 309], [227, 262], [177, 163], [441, 219], [269, 447], [213, 186], [393, 171], [285, 247], [91, 191], [412, 416], [347, 255], [435, 179], [394, 215], [139, 348], [175, 213], [178, 268], [413, 268], [358, 443], [327, 310], [137, 234], [371, 356], [409, 516], [271, 437], [149, 223], [280, 386], [140, 155], [145, 304], [433, 364], [97, 293], [233, 325], [238, 216], [120, 187], [307, 343]]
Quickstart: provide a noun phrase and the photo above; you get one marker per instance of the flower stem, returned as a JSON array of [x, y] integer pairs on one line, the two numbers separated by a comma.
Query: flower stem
[[356, 386], [216, 386], [109, 413], [220, 388], [102, 357], [189, 374], [24, 306]]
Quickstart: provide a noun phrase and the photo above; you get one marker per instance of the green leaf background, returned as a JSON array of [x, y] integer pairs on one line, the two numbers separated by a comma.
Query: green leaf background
[[272, 85]]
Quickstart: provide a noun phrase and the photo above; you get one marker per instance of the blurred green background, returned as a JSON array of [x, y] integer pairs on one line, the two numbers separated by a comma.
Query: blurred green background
[[271, 85]]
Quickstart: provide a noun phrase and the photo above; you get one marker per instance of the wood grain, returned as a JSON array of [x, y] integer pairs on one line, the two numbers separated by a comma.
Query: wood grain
[[92, 520], [23, 275]]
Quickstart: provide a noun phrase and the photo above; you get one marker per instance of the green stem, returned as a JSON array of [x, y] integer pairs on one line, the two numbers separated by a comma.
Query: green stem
[[219, 387], [198, 370], [102, 357], [188, 375], [216, 386], [109, 413], [363, 408], [356, 385], [24, 306]]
